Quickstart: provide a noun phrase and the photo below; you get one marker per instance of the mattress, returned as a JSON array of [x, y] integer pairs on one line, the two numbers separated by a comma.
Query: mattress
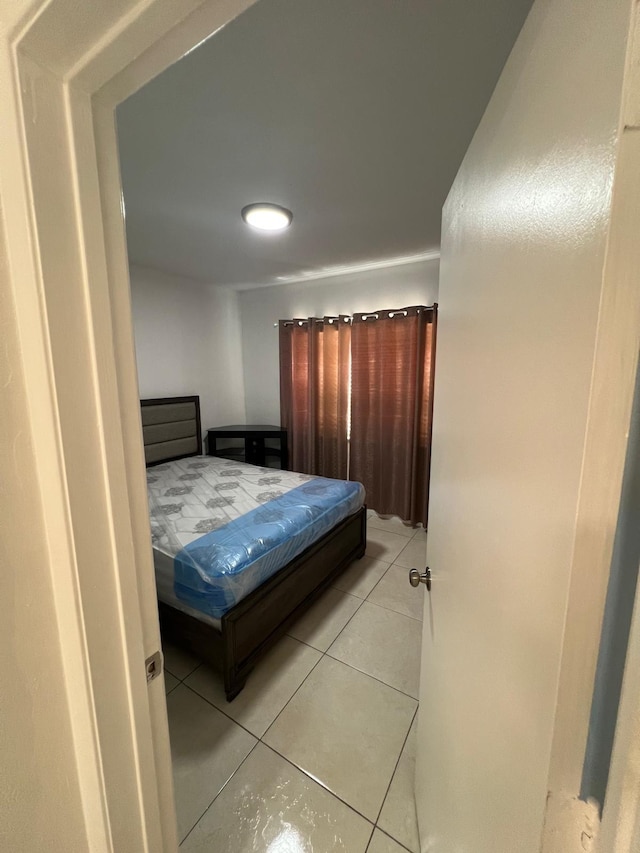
[[224, 527]]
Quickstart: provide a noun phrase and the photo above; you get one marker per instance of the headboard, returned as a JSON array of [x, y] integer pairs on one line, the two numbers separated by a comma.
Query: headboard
[[171, 428]]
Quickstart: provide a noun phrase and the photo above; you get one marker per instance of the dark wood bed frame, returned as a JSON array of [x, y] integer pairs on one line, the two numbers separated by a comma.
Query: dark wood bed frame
[[250, 628]]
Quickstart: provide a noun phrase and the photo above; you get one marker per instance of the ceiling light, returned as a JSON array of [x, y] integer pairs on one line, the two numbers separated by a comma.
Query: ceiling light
[[266, 216]]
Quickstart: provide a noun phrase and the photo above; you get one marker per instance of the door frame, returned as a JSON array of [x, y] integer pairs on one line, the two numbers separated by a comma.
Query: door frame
[[611, 400], [620, 829], [610, 403], [63, 69]]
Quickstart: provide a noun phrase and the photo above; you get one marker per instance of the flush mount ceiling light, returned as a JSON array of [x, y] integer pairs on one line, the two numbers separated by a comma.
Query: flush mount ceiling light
[[267, 217]]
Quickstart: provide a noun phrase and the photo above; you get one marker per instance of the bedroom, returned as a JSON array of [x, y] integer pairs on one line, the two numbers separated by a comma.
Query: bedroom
[[207, 292], [530, 439]]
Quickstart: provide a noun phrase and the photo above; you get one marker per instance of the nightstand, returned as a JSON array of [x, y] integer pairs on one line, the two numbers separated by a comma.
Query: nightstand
[[252, 447]]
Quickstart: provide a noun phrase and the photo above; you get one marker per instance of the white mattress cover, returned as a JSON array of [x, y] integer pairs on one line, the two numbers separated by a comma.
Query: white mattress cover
[[192, 496], [164, 584]]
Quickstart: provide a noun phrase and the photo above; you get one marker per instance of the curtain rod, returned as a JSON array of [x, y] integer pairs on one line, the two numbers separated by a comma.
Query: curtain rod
[[346, 318], [349, 318]]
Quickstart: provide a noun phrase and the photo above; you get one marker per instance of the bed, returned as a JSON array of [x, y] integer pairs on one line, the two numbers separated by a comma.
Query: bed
[[240, 552]]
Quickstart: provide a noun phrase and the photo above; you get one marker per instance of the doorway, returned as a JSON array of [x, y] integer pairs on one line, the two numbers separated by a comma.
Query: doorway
[[195, 146], [91, 205]]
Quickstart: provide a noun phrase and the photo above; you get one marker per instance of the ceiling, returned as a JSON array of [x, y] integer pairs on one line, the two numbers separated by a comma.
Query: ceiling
[[354, 114]]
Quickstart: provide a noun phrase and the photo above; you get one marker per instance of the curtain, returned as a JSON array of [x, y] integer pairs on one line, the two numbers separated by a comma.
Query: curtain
[[314, 393], [392, 371]]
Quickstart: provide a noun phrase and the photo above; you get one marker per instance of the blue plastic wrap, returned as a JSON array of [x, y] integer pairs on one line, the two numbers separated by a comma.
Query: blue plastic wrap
[[216, 571]]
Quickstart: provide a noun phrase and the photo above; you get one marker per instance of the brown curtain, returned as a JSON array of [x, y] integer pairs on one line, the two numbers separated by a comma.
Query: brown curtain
[[314, 393], [392, 370]]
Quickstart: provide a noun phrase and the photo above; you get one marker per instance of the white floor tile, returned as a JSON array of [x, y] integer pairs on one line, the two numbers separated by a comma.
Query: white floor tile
[[322, 623], [398, 816], [383, 545], [361, 576], [178, 662], [381, 843], [206, 749], [393, 525], [170, 681], [396, 593], [346, 730], [268, 689], [271, 807], [414, 554], [384, 644]]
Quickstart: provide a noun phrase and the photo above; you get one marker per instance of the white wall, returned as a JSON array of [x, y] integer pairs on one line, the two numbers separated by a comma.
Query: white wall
[[393, 287], [188, 341]]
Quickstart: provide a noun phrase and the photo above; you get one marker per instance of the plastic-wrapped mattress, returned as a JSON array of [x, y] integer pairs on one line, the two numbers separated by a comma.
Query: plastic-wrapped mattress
[[227, 526]]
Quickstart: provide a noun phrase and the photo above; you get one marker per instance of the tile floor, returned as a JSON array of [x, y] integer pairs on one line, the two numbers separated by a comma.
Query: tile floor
[[317, 752]]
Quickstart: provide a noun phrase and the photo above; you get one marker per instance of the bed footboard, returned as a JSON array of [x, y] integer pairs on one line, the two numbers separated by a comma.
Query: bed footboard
[[256, 622]]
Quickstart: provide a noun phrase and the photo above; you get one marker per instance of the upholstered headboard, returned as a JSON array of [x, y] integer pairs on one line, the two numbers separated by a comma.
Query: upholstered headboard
[[171, 428]]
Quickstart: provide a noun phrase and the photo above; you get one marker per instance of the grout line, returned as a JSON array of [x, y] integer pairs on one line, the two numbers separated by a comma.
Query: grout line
[[219, 792], [304, 643], [366, 849], [388, 565], [197, 666], [368, 674], [346, 592], [346, 624], [392, 532], [385, 558], [378, 582], [387, 562], [404, 743], [395, 840], [272, 723], [391, 609], [215, 707], [324, 652], [320, 784], [407, 537]]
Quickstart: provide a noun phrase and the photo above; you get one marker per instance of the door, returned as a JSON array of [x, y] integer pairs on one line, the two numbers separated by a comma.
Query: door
[[521, 327]]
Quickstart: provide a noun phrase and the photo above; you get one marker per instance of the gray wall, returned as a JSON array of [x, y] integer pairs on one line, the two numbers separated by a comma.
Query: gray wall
[[617, 620]]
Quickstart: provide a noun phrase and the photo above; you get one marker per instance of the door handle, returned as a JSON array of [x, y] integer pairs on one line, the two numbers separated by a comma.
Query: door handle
[[415, 578]]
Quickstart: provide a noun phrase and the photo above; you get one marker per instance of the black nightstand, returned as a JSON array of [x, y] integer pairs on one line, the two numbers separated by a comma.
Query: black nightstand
[[253, 448]]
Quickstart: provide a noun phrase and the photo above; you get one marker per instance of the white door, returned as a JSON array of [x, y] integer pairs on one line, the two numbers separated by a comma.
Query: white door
[[523, 252]]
